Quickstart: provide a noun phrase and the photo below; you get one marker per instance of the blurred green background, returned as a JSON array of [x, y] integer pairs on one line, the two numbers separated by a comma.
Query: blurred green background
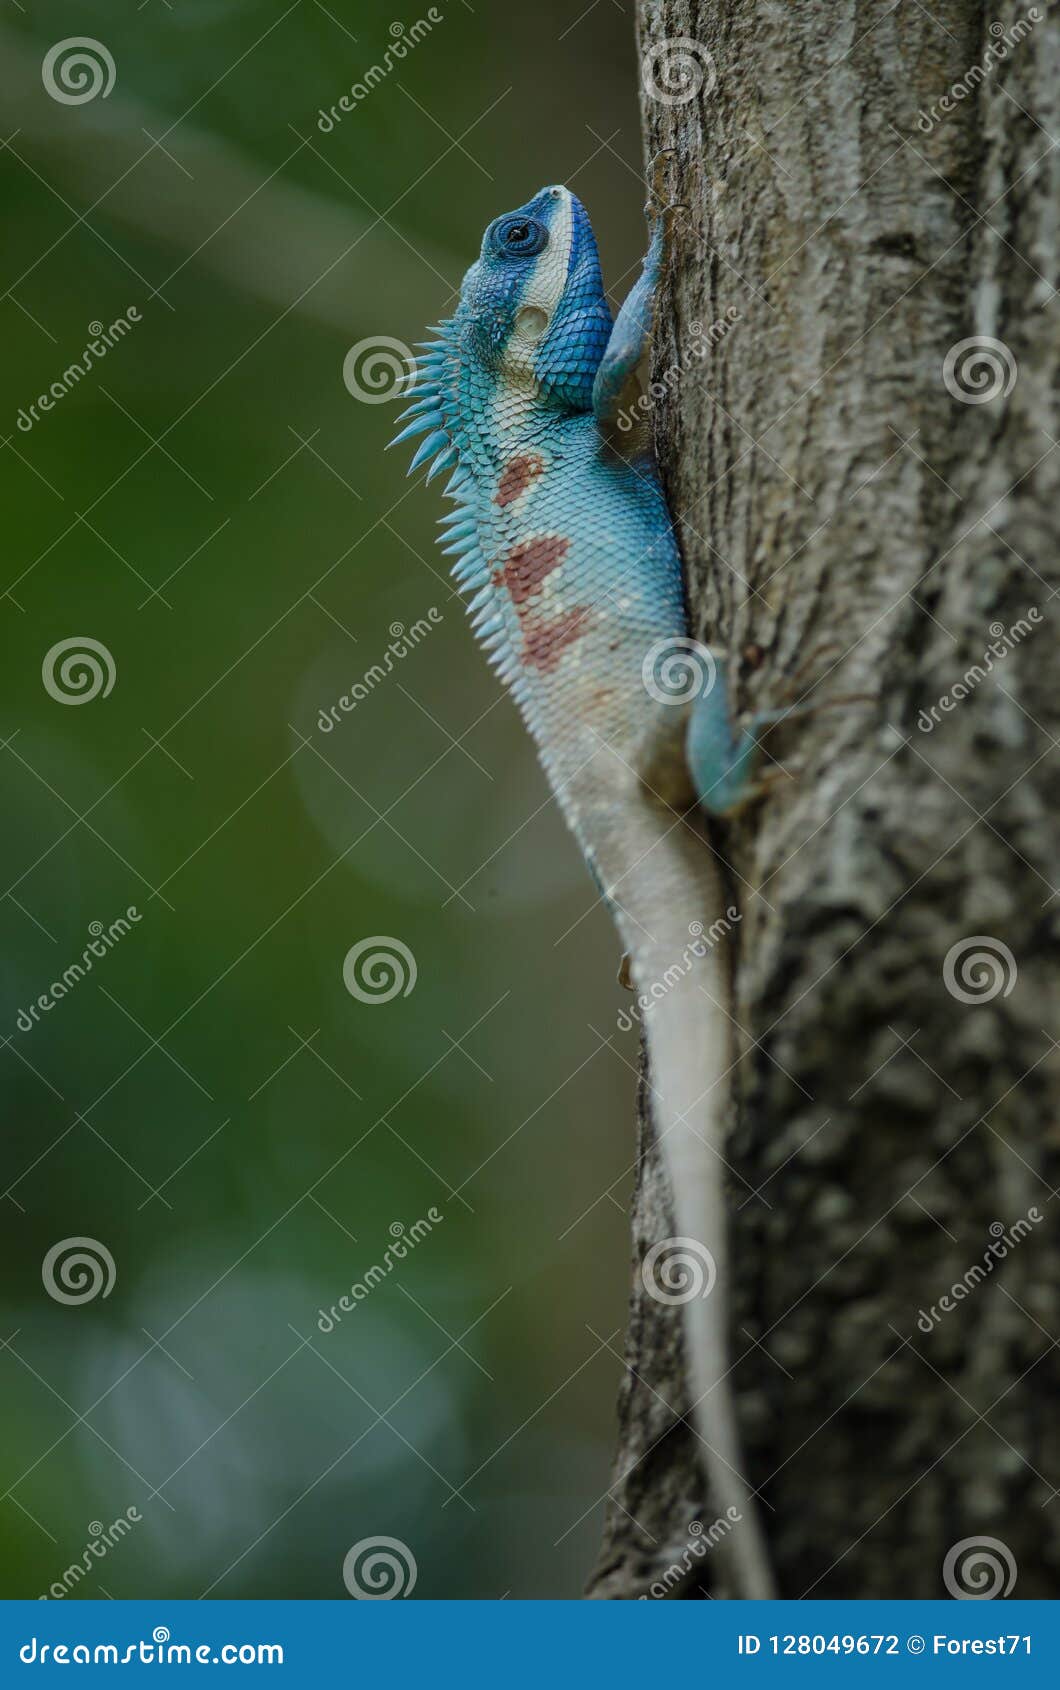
[[211, 1104]]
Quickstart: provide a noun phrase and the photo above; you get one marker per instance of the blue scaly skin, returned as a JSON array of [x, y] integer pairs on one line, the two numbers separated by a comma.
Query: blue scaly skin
[[562, 537]]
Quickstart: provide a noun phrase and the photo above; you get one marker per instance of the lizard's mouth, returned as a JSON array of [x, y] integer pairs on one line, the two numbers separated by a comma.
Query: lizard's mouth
[[579, 245]]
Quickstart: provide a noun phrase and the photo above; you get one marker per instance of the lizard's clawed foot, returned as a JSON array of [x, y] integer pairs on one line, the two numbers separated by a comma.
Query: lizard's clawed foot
[[773, 777], [809, 663], [752, 790], [761, 787], [625, 977], [657, 166], [800, 712], [659, 208]]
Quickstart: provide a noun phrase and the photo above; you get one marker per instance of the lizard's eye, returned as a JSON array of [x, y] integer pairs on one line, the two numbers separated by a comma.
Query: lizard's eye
[[519, 237]]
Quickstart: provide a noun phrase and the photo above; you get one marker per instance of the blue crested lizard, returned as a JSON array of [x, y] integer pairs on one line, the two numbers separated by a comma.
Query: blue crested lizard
[[562, 537]]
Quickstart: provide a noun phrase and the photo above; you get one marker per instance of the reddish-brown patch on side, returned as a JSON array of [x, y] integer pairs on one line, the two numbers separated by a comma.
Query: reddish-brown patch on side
[[545, 641], [517, 476], [529, 564]]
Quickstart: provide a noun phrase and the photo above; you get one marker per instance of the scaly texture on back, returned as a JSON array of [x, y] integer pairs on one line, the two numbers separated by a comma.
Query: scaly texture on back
[[564, 545]]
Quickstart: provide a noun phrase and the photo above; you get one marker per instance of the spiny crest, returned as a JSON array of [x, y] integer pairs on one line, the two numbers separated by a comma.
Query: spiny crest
[[437, 416], [434, 412]]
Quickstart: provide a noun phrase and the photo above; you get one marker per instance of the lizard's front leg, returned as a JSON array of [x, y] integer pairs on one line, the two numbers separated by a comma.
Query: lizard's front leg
[[616, 390]]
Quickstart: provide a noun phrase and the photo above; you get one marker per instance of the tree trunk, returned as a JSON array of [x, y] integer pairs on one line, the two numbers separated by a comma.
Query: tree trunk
[[868, 508]]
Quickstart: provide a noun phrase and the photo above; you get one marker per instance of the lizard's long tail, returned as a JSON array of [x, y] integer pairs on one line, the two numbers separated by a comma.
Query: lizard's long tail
[[672, 916]]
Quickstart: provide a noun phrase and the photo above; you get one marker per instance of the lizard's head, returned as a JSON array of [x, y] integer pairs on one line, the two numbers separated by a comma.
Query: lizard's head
[[533, 307], [531, 327]]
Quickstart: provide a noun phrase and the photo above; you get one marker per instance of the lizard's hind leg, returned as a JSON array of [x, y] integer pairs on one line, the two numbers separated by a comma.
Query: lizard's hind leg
[[724, 753]]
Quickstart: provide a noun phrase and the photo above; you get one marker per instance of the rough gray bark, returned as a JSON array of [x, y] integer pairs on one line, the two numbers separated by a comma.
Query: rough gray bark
[[842, 513]]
